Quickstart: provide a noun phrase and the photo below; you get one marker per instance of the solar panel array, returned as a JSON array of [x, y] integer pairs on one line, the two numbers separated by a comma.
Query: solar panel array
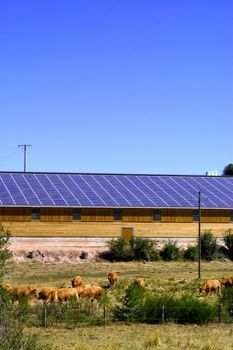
[[114, 191]]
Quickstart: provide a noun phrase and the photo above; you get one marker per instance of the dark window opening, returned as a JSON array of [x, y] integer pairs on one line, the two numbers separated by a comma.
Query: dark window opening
[[35, 214], [117, 214], [195, 215], [156, 215], [76, 214]]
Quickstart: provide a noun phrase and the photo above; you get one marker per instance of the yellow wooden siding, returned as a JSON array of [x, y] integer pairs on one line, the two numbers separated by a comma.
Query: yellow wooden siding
[[137, 215], [216, 215], [15, 214], [113, 229], [10, 214], [96, 215], [176, 215], [56, 214]]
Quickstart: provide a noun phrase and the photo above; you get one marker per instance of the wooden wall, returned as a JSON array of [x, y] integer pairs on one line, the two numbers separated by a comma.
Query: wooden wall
[[56, 214], [96, 215], [15, 214], [137, 215], [106, 215], [113, 229], [215, 215], [176, 215]]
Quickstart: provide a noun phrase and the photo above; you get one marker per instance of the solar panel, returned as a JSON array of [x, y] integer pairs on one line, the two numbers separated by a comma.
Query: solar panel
[[14, 190], [114, 191]]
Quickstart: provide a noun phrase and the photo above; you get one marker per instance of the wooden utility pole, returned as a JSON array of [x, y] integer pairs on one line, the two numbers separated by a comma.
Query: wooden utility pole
[[25, 156], [199, 234]]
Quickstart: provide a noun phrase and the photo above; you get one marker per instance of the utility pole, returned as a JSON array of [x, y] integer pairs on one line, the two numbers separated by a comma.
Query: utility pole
[[199, 234], [25, 156]]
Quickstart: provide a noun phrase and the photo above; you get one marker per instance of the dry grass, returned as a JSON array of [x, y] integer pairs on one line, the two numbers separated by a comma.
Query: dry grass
[[60, 275], [173, 277], [139, 337]]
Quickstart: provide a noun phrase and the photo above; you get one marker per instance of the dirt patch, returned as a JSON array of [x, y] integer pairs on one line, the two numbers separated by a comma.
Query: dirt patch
[[56, 256]]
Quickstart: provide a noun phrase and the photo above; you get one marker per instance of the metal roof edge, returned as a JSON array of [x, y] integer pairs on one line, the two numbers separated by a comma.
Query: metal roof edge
[[121, 174]]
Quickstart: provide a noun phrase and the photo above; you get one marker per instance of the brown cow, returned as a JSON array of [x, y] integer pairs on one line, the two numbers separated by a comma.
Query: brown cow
[[140, 282], [227, 281], [47, 294], [91, 292], [210, 286], [77, 281], [112, 277], [65, 294], [8, 287], [21, 291]]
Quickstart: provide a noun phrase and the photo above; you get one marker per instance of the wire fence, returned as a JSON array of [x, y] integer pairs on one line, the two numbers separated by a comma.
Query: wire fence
[[78, 314]]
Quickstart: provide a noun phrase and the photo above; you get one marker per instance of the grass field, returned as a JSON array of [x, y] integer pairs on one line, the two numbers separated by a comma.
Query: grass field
[[173, 277], [139, 337]]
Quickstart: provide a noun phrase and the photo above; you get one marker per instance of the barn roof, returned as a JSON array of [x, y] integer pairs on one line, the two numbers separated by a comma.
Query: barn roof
[[114, 190]]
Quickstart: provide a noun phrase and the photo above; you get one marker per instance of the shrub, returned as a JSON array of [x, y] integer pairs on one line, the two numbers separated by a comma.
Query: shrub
[[12, 337], [139, 306], [227, 300], [228, 170], [120, 249], [144, 249], [131, 304], [191, 310], [136, 249], [208, 246], [228, 240], [191, 253], [5, 253], [11, 327], [170, 251]]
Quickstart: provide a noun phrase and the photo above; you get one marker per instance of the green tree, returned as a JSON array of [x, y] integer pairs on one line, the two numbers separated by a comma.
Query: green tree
[[228, 240], [5, 253], [11, 329], [208, 246], [228, 170]]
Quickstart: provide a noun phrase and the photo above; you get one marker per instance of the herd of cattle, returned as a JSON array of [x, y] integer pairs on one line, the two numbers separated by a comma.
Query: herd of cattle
[[216, 285], [80, 290], [52, 294]]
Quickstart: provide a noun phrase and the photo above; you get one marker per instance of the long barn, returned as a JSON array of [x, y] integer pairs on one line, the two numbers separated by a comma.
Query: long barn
[[113, 205]]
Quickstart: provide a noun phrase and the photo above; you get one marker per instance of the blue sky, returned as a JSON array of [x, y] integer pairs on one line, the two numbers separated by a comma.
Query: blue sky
[[119, 86]]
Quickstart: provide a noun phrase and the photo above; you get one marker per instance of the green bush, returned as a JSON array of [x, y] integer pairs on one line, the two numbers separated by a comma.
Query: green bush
[[170, 251], [136, 249], [227, 299], [12, 337], [209, 249], [12, 319], [131, 304], [11, 315], [144, 249], [228, 240], [120, 250], [191, 253], [228, 170], [139, 306], [185, 309], [5, 253]]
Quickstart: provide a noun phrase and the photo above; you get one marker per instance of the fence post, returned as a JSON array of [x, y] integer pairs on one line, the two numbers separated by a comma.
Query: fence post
[[45, 315], [162, 313], [105, 315], [219, 313]]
